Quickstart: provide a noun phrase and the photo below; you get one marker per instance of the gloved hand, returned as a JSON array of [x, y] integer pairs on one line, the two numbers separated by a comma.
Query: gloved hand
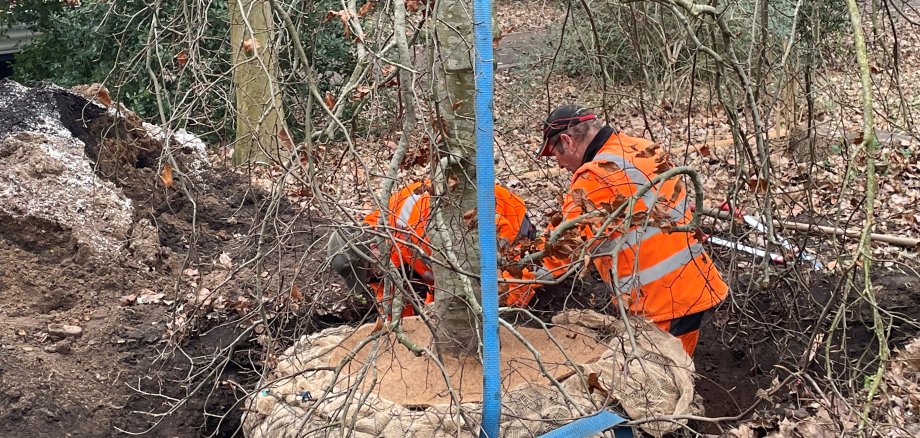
[[519, 294]]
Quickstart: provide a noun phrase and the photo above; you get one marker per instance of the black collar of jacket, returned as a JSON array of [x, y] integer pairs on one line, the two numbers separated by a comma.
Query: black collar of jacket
[[597, 143]]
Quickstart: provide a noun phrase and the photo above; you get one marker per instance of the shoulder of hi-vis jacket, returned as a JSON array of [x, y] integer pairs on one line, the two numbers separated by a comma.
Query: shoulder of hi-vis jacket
[[408, 208]]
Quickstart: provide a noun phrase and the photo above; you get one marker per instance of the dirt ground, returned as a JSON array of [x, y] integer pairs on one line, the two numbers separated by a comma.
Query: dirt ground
[[747, 340], [129, 365], [133, 368]]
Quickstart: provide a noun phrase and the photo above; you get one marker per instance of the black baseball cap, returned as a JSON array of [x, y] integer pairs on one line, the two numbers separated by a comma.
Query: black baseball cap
[[559, 120]]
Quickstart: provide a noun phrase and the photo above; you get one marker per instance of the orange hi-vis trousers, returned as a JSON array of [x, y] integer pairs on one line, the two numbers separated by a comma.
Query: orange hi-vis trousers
[[685, 328]]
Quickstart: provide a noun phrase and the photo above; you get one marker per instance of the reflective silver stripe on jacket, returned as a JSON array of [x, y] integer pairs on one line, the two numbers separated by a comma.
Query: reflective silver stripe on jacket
[[679, 211], [405, 213], [662, 268], [638, 177], [641, 233], [631, 239]]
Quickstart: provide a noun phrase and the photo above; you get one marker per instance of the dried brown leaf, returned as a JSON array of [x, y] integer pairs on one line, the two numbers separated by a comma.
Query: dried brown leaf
[[678, 189], [515, 271], [250, 45], [422, 189], [664, 162], [296, 294], [452, 182], [649, 151], [341, 15], [663, 166], [555, 218], [103, 97], [757, 185], [241, 304], [594, 384], [224, 261], [609, 166], [284, 138], [564, 247], [378, 326], [166, 175], [128, 300], [366, 8], [360, 92], [182, 57], [699, 235], [148, 296], [470, 218], [580, 198], [610, 207]]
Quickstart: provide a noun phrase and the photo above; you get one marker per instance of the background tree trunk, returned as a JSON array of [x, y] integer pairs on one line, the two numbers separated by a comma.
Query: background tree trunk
[[458, 318], [259, 117]]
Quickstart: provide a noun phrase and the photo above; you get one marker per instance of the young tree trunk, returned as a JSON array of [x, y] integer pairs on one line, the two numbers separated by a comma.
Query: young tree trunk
[[864, 251], [259, 117], [457, 296]]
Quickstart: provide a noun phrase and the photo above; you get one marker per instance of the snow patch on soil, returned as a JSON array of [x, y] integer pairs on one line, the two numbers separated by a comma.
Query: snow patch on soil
[[48, 177], [197, 160], [45, 174]]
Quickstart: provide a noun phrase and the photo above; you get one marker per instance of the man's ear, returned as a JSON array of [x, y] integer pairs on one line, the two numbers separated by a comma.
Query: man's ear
[[567, 141], [559, 145]]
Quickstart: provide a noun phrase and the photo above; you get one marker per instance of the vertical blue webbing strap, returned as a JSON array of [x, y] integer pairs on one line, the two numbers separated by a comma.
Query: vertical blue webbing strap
[[485, 205]]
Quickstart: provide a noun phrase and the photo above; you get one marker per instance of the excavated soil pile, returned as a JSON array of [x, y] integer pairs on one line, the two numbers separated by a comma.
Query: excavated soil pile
[[85, 221], [98, 257], [357, 382]]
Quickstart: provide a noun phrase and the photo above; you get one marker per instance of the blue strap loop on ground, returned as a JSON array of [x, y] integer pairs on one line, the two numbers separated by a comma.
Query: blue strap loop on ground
[[485, 203], [591, 425]]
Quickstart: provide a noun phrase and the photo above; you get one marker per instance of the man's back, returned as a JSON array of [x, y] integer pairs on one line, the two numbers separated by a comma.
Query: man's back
[[668, 274]]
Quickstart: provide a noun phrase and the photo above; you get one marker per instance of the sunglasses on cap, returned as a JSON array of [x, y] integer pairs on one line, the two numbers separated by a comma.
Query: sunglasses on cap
[[558, 121]]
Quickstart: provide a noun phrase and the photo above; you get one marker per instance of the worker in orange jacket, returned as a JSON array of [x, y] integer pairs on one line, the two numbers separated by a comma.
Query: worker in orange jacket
[[410, 250], [665, 276]]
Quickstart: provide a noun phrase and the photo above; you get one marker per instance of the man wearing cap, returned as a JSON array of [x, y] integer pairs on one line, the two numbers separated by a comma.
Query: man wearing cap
[[665, 277]]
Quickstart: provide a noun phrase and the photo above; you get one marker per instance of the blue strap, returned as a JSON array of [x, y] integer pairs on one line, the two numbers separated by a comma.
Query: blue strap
[[485, 204], [590, 425]]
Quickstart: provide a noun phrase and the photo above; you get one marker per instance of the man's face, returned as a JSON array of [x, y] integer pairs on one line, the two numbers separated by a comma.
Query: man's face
[[567, 152]]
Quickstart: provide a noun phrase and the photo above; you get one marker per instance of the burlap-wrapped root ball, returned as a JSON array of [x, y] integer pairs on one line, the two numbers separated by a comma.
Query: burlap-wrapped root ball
[[364, 383]]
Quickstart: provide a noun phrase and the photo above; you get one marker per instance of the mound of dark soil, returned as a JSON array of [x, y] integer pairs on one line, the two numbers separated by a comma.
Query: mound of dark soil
[[168, 335]]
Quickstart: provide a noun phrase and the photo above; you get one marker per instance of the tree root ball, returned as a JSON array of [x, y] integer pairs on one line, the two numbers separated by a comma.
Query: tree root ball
[[347, 381]]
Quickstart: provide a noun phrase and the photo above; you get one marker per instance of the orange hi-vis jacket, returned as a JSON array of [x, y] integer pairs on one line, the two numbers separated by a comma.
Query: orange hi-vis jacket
[[667, 275], [410, 210]]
